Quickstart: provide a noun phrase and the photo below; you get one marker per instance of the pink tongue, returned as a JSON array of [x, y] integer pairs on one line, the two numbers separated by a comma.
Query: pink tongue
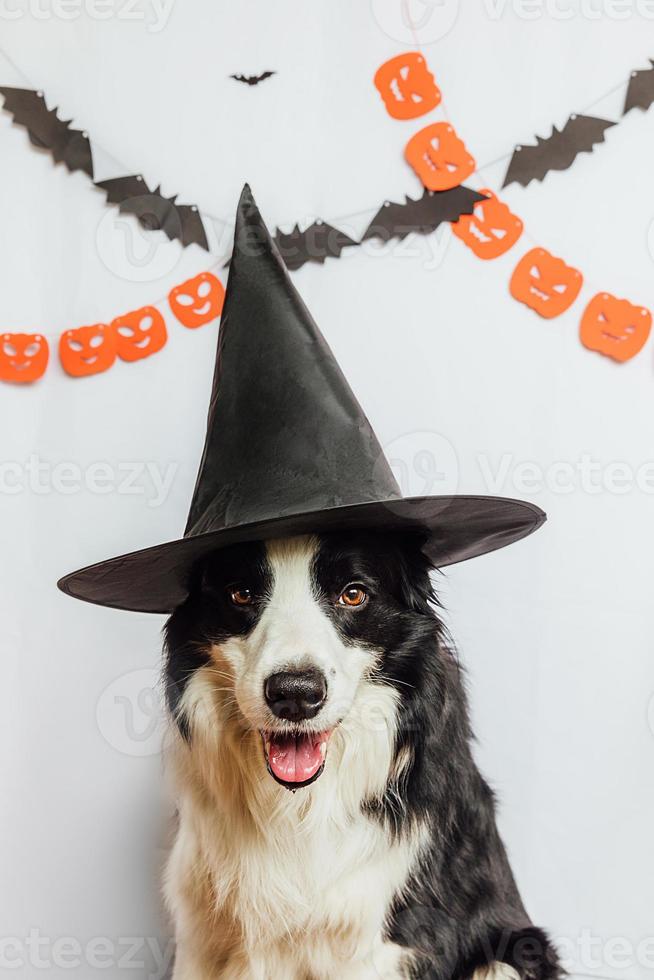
[[295, 759]]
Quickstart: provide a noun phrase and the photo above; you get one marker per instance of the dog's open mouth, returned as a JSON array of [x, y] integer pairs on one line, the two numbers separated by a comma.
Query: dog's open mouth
[[295, 759]]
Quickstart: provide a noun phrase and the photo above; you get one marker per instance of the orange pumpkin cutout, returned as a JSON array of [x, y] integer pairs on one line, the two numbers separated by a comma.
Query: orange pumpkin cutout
[[491, 230], [615, 327], [544, 283], [197, 301], [23, 357], [407, 86], [439, 157], [139, 333], [87, 350]]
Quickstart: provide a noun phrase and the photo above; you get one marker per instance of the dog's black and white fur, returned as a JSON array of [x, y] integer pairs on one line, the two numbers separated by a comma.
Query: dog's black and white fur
[[386, 861]]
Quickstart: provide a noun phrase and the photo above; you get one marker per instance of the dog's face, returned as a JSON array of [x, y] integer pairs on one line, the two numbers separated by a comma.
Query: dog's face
[[295, 630]]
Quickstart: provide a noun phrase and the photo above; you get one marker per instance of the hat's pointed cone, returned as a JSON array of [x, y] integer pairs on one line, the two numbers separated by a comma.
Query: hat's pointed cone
[[285, 434], [288, 451]]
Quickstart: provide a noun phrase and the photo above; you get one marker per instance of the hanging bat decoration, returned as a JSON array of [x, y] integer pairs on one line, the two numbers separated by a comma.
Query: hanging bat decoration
[[320, 241], [72, 147], [556, 152], [154, 212], [423, 215], [316, 243], [640, 91], [253, 79], [46, 131]]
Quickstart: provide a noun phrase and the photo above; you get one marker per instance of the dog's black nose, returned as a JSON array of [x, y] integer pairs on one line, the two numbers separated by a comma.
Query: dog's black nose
[[296, 695]]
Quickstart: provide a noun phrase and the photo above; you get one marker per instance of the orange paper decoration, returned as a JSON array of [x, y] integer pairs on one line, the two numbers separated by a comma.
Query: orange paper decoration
[[491, 230], [23, 357], [139, 333], [407, 86], [197, 301], [615, 327], [545, 283], [87, 350], [439, 157]]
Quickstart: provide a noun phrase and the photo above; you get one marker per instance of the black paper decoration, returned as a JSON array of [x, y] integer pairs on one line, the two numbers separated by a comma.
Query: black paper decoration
[[318, 242], [423, 215], [640, 91], [154, 211], [556, 152], [47, 131], [72, 147], [253, 79]]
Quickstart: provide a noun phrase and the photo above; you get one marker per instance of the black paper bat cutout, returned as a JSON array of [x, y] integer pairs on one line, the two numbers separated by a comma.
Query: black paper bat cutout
[[155, 212], [640, 91], [423, 215], [253, 79], [556, 152], [47, 131], [316, 243]]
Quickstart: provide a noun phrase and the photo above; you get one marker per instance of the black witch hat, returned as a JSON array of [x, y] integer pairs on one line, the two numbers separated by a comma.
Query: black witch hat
[[288, 450]]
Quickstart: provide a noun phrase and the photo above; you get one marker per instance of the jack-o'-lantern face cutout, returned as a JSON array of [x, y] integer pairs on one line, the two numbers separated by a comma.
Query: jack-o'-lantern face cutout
[[407, 86], [23, 357], [544, 283], [87, 350], [439, 157], [197, 301], [139, 333], [491, 230], [614, 327]]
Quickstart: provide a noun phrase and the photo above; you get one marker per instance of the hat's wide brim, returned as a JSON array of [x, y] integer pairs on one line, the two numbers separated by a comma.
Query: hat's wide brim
[[155, 580]]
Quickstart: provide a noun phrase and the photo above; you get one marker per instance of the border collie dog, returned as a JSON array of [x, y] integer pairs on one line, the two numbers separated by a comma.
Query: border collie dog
[[332, 822]]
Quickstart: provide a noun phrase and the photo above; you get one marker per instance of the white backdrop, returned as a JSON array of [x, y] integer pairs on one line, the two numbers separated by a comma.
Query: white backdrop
[[555, 632]]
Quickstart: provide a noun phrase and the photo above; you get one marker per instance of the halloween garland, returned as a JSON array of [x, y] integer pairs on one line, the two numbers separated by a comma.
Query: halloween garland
[[155, 212], [581, 134], [408, 89], [133, 336], [47, 132], [544, 283], [183, 222]]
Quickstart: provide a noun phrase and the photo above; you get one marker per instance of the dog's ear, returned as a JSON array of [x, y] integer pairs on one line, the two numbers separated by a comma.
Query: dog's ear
[[200, 579], [185, 652], [414, 576]]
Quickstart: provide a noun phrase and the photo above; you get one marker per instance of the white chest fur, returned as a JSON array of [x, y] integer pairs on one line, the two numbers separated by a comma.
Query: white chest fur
[[265, 884], [311, 905]]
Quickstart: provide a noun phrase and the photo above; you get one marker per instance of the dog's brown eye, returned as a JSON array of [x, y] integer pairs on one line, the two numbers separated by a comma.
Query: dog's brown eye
[[241, 596], [353, 595]]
